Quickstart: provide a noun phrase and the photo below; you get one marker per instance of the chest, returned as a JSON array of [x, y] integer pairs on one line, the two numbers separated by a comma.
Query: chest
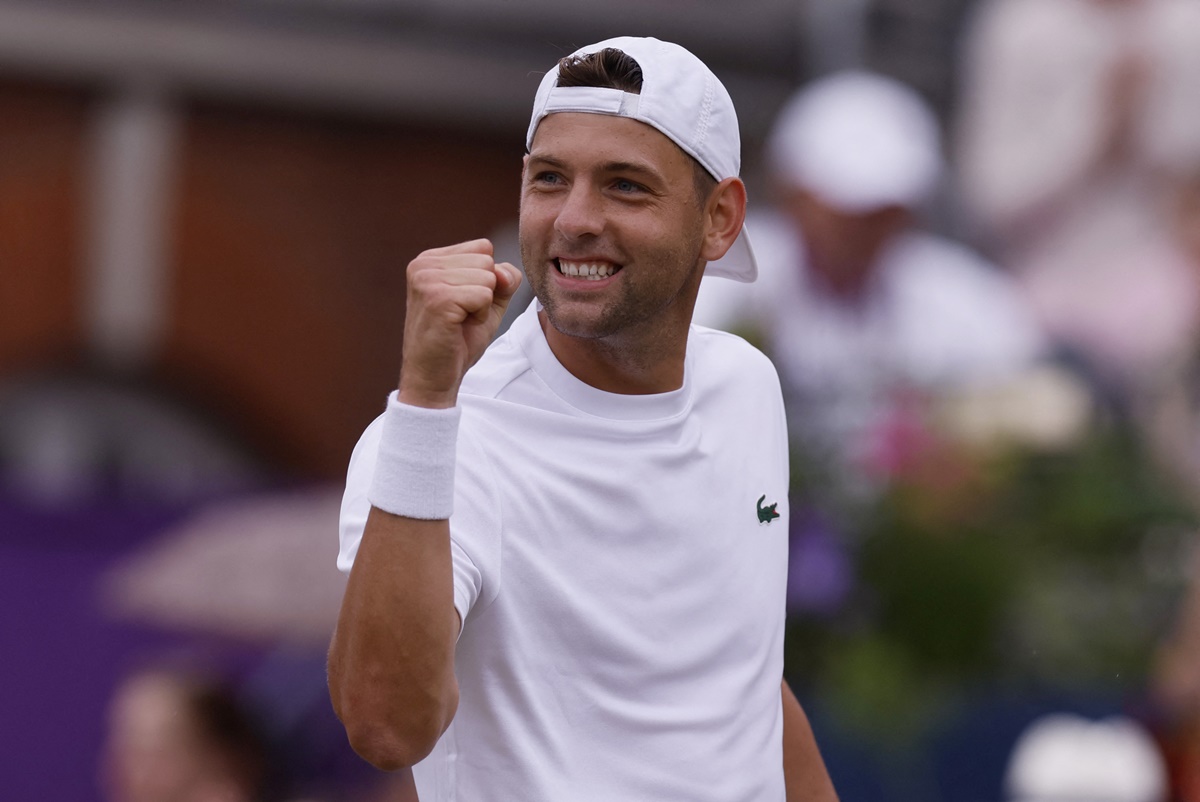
[[626, 543]]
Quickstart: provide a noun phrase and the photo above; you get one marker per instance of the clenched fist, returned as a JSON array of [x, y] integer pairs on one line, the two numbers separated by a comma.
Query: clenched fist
[[456, 298]]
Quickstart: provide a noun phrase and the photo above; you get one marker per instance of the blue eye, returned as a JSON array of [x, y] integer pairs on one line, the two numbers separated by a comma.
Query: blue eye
[[622, 185]]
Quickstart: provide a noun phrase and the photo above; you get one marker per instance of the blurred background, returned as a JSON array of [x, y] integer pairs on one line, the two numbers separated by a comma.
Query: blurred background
[[980, 231]]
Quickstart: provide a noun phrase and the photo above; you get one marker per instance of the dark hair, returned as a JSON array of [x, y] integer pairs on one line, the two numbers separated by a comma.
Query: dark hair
[[609, 67], [228, 727], [616, 69]]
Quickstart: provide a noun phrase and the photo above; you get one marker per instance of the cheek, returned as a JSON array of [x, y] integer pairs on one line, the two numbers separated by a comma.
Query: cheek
[[530, 228], [535, 218]]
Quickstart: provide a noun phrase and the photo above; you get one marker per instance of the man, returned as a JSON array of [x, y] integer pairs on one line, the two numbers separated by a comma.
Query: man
[[862, 311], [601, 617]]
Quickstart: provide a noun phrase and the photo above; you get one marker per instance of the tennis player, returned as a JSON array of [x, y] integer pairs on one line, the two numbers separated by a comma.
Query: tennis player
[[568, 549]]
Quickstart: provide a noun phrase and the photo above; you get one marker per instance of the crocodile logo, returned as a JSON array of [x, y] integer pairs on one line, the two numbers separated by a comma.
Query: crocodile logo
[[768, 513]]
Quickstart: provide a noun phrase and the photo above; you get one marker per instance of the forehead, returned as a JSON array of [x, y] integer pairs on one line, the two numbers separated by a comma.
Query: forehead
[[584, 137], [149, 704]]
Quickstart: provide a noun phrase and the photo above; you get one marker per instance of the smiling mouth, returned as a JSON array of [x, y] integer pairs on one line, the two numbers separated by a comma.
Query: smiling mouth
[[590, 271]]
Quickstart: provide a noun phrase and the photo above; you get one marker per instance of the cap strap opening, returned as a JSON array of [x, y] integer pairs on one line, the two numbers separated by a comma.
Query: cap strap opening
[[594, 99]]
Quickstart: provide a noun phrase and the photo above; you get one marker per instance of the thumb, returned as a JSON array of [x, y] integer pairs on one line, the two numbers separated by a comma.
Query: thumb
[[508, 279]]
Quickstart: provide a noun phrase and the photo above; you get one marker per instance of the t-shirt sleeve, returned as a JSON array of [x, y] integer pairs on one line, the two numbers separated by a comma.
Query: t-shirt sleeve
[[355, 506], [474, 525]]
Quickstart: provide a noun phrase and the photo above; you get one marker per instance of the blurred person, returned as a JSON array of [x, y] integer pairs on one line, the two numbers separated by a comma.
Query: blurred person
[[1158, 372], [1074, 113], [1163, 367], [860, 309], [1150, 289], [179, 736], [1175, 691], [602, 616]]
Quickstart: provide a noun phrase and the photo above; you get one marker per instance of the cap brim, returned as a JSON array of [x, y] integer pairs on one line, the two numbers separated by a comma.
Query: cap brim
[[738, 263]]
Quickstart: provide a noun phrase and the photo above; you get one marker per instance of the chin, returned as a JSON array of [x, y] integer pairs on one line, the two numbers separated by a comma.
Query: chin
[[582, 320], [573, 325]]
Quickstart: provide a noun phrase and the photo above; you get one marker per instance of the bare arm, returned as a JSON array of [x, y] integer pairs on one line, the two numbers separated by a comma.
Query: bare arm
[[391, 674], [803, 769], [391, 662]]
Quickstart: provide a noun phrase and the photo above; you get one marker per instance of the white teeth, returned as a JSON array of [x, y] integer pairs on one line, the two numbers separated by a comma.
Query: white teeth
[[587, 270]]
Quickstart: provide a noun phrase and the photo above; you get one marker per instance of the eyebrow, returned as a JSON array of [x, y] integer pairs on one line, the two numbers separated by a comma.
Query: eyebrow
[[634, 168]]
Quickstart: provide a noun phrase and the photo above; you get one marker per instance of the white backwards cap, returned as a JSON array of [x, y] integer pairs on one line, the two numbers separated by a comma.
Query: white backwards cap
[[859, 142], [681, 98]]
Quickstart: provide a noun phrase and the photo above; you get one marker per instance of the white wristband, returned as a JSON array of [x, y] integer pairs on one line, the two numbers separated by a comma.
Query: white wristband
[[414, 472]]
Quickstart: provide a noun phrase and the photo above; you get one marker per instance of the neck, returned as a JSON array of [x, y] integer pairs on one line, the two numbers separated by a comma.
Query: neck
[[846, 282], [624, 363]]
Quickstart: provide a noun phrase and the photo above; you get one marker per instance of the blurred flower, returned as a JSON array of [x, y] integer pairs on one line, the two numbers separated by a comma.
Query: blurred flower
[[1005, 542], [938, 481], [1044, 408], [820, 573]]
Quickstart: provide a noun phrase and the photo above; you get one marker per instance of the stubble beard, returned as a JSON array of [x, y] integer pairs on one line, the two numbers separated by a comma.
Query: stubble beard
[[628, 311]]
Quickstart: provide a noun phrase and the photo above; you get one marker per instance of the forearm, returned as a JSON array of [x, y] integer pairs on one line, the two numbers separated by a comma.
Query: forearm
[[391, 663], [804, 771]]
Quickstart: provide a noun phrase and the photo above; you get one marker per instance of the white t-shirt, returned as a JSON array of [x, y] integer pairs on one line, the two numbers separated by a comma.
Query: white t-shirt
[[620, 566]]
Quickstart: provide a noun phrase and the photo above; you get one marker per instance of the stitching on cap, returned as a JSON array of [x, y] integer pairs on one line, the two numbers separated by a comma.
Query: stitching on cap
[[705, 114]]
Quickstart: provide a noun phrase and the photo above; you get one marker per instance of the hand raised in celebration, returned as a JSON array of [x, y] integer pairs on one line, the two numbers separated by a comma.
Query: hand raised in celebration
[[456, 298]]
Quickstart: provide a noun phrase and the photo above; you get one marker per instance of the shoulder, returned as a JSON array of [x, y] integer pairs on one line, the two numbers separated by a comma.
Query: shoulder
[[957, 302], [929, 263], [504, 362], [939, 275], [719, 346], [720, 357], [1010, 19], [727, 304]]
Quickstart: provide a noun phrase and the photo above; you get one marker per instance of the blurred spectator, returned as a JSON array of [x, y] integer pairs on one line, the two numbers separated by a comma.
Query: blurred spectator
[[175, 736], [1074, 114], [861, 311], [1064, 757], [1176, 692], [1149, 289], [1169, 379], [76, 436], [1169, 407]]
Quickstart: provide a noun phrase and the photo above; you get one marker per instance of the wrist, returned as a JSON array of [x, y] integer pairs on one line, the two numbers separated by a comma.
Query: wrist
[[416, 395], [414, 468], [427, 400]]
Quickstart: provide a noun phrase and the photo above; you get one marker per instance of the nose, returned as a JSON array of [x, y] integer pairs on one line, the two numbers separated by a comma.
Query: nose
[[581, 213]]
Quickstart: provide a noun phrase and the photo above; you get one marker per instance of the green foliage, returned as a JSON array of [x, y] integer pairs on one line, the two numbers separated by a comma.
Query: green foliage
[[1017, 566]]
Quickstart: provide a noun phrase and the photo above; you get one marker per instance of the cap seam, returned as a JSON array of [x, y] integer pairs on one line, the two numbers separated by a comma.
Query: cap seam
[[702, 126]]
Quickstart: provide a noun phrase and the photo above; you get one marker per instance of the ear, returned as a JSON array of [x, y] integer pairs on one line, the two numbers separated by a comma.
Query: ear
[[724, 213]]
